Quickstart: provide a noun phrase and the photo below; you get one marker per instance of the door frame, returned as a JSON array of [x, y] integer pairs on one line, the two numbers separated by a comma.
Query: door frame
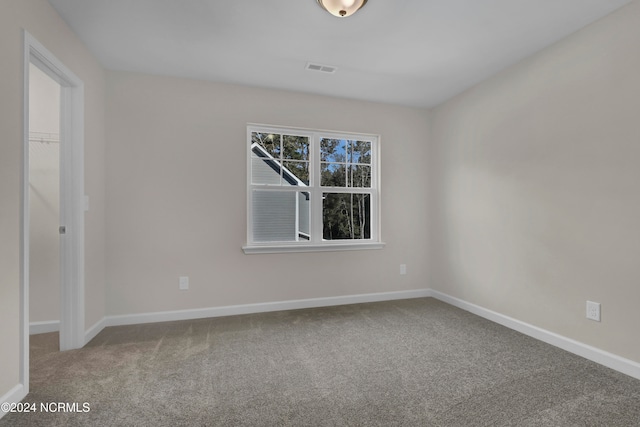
[[72, 333]]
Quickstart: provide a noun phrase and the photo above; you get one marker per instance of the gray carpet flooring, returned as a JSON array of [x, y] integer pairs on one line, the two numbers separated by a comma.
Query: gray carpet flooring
[[416, 362]]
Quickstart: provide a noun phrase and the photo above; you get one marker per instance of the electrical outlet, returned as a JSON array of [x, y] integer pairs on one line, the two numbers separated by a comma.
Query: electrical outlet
[[593, 311], [184, 283], [403, 269]]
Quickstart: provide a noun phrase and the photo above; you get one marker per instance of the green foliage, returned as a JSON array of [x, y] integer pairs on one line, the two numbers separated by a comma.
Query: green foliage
[[346, 216], [289, 151], [270, 142], [345, 163]]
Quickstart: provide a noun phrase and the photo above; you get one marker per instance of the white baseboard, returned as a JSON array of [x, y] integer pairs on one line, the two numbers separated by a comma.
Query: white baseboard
[[94, 330], [54, 326], [232, 310], [168, 316], [15, 395], [44, 327], [610, 360]]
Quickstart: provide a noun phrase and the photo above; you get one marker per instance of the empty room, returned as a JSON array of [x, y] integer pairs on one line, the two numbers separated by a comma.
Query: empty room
[[319, 212]]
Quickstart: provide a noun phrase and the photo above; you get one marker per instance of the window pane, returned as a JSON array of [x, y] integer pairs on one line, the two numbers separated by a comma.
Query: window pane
[[269, 142], [333, 150], [295, 147], [280, 216], [333, 175], [360, 176], [360, 152], [304, 216], [265, 171], [346, 216], [296, 173], [291, 168]]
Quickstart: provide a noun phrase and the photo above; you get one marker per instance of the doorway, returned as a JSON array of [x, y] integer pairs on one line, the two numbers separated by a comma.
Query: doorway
[[44, 202], [71, 199]]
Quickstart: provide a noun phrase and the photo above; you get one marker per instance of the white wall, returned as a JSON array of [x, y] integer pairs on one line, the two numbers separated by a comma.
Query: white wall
[[39, 18], [536, 202], [44, 188], [176, 196], [533, 174]]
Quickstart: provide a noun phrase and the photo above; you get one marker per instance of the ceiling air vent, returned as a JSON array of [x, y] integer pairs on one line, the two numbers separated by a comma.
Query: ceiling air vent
[[321, 68]]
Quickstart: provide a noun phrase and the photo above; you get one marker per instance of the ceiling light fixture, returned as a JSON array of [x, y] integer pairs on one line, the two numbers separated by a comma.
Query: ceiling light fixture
[[342, 8]]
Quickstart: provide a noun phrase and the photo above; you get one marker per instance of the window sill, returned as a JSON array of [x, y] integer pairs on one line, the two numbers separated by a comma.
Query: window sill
[[332, 247]]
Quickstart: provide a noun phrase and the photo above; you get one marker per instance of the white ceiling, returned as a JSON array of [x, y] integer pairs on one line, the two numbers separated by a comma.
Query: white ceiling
[[409, 52]]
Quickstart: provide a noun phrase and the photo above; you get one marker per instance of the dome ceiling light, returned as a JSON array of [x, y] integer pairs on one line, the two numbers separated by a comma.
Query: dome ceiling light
[[342, 8]]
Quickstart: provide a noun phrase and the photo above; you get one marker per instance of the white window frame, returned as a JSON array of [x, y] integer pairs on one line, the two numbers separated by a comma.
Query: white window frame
[[316, 242]]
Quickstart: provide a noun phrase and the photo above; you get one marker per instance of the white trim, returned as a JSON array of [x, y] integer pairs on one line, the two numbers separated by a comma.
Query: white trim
[[44, 327], [72, 212], [23, 375], [15, 395], [610, 360], [95, 330], [315, 191], [273, 249], [71, 203], [305, 131], [601, 357], [232, 310]]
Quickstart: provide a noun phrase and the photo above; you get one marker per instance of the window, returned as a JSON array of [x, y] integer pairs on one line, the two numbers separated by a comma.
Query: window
[[311, 190]]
